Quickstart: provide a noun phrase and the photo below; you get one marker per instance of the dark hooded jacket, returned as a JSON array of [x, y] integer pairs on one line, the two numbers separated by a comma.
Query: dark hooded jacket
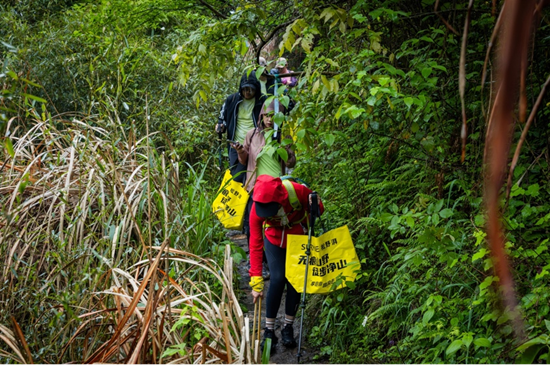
[[229, 110]]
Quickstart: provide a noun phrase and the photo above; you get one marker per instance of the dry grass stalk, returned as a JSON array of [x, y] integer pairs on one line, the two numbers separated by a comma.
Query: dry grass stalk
[[8, 337], [80, 194], [192, 302]]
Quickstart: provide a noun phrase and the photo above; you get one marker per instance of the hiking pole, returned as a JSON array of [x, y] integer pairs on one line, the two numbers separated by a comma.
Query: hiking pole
[[254, 326], [256, 323], [276, 101], [259, 317], [257, 343], [221, 143], [314, 207]]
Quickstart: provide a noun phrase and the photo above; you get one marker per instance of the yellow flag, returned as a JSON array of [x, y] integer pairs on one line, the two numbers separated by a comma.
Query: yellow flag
[[230, 203], [331, 254]]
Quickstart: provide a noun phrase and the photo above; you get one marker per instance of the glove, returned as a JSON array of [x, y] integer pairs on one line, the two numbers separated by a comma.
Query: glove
[[257, 283]]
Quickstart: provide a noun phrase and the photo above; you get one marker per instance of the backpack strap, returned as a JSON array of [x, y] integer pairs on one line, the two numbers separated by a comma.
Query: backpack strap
[[294, 202], [292, 197], [295, 179]]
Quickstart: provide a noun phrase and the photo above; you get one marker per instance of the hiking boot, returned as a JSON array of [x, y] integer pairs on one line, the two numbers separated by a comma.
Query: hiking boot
[[269, 334], [288, 336]]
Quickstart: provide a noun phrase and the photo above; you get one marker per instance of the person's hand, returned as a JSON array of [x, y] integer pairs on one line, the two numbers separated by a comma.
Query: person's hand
[[238, 147], [220, 128], [256, 295], [311, 198]]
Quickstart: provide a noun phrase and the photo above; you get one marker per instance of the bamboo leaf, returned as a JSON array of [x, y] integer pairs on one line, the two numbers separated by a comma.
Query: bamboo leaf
[[34, 97], [9, 147]]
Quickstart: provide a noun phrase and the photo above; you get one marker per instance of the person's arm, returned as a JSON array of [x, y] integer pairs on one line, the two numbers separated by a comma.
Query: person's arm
[[221, 125], [303, 193], [256, 243], [242, 153], [291, 160], [289, 81], [321, 206], [293, 81], [256, 246], [243, 150]]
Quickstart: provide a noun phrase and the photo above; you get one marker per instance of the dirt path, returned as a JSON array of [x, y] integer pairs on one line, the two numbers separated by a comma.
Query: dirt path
[[282, 355]]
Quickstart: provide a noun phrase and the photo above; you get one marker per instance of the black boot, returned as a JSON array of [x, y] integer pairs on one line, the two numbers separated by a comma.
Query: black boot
[[269, 334], [288, 336]]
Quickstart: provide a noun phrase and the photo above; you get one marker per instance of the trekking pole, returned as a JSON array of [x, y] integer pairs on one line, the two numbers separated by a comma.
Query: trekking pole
[[314, 207], [221, 143], [257, 344], [256, 324], [276, 108], [259, 317]]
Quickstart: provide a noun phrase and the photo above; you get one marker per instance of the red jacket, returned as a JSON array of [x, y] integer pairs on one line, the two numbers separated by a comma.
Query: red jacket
[[270, 189]]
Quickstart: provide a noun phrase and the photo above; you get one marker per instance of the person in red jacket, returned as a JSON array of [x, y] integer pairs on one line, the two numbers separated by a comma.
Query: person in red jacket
[[279, 209]]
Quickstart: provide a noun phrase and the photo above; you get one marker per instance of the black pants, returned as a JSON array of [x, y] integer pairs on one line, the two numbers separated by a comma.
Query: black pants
[[276, 257], [236, 166]]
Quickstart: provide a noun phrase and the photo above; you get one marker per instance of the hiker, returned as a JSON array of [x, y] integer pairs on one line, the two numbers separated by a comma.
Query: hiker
[[289, 81], [281, 68], [267, 81], [280, 208], [254, 143], [256, 164], [238, 115]]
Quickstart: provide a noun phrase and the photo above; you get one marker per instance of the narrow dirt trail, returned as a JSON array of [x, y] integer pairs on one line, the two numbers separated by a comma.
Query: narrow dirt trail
[[282, 355]]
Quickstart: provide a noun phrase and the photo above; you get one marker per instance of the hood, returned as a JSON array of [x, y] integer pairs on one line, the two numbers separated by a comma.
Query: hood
[[269, 189], [269, 108], [250, 81]]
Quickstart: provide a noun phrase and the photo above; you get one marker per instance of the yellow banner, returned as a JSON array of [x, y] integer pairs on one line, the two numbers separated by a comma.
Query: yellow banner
[[332, 254], [230, 203]]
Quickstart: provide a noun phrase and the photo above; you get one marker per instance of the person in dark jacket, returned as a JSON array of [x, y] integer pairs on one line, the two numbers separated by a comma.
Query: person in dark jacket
[[240, 113]]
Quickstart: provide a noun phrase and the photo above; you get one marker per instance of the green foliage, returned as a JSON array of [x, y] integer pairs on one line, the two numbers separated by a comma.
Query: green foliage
[[93, 61], [185, 323], [377, 134], [380, 143], [266, 354], [79, 67]]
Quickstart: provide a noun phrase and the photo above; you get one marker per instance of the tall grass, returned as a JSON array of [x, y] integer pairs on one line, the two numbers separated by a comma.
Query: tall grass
[[104, 243]]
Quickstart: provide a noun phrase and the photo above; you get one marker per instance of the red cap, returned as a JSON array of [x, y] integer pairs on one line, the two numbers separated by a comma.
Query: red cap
[[268, 189]]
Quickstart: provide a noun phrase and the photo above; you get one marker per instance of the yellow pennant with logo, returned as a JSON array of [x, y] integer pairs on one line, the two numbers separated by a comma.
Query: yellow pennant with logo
[[331, 255], [230, 203]]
